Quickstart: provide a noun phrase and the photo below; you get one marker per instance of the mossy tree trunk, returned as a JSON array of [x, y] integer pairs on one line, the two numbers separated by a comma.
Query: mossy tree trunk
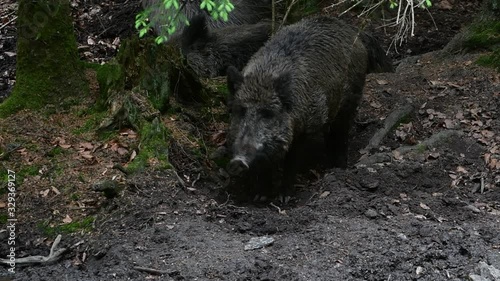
[[482, 33], [48, 68]]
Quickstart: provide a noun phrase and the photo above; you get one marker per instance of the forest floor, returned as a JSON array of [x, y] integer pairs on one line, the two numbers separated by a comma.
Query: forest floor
[[424, 204]]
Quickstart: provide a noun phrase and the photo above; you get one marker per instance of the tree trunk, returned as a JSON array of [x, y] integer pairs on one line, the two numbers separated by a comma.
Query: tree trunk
[[479, 34], [48, 67]]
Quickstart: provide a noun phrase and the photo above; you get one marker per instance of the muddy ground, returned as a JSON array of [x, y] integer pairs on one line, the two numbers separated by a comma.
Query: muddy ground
[[401, 211]]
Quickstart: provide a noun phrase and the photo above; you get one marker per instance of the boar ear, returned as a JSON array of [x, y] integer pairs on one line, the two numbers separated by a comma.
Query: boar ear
[[196, 30], [282, 86], [234, 80]]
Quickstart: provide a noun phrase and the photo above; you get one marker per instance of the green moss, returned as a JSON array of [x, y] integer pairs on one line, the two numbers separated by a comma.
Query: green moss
[[484, 35], [92, 123], [29, 171], [74, 196], [491, 60], [55, 151], [48, 69], [81, 177], [154, 147], [109, 76], [4, 177], [72, 227], [3, 218], [421, 148], [26, 171], [403, 120]]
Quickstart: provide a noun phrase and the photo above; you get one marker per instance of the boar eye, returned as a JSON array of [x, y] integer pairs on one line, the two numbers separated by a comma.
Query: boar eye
[[266, 113]]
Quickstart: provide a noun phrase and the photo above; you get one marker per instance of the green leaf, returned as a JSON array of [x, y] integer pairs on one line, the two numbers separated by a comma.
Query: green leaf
[[224, 16], [171, 30]]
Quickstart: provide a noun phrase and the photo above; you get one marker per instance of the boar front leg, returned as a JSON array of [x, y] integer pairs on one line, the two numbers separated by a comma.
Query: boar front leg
[[291, 166]]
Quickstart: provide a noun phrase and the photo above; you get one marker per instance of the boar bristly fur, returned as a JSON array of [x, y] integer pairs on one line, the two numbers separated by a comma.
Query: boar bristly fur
[[306, 80], [210, 52]]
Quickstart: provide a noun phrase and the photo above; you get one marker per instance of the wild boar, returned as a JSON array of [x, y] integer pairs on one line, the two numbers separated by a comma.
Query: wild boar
[[210, 52], [306, 80]]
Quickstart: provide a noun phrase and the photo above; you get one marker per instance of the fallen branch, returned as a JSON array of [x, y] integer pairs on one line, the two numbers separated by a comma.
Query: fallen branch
[[9, 22], [151, 270], [53, 256]]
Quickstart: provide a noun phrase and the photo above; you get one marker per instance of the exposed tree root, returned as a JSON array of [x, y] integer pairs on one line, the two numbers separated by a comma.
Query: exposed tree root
[[392, 120], [151, 270], [53, 256], [435, 140]]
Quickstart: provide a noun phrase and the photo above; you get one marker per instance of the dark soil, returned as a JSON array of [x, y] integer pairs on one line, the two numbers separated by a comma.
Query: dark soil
[[430, 214]]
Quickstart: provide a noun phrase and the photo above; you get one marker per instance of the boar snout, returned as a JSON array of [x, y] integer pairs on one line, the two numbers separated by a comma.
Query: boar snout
[[237, 166]]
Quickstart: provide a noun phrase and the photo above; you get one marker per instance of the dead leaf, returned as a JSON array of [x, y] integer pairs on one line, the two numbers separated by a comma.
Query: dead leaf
[[433, 155], [487, 158], [67, 219], [382, 82], [86, 145], [132, 155], [494, 149], [449, 124], [494, 164], [45, 192], [10, 54], [90, 41], [423, 206], [122, 151], [478, 123], [420, 217], [86, 155], [65, 146], [324, 194], [2, 205], [219, 138], [375, 104], [56, 191], [487, 133], [462, 170], [444, 5], [397, 155]]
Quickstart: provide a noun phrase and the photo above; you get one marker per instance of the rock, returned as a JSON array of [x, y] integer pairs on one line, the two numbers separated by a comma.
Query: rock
[[371, 185], [371, 213], [258, 242], [485, 272]]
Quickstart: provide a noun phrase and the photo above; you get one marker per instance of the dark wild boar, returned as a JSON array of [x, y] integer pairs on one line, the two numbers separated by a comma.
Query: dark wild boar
[[245, 12], [210, 52], [306, 80]]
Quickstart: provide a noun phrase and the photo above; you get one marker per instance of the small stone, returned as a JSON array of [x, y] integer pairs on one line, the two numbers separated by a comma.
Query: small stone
[[371, 213], [402, 237], [419, 270], [370, 185], [258, 242]]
